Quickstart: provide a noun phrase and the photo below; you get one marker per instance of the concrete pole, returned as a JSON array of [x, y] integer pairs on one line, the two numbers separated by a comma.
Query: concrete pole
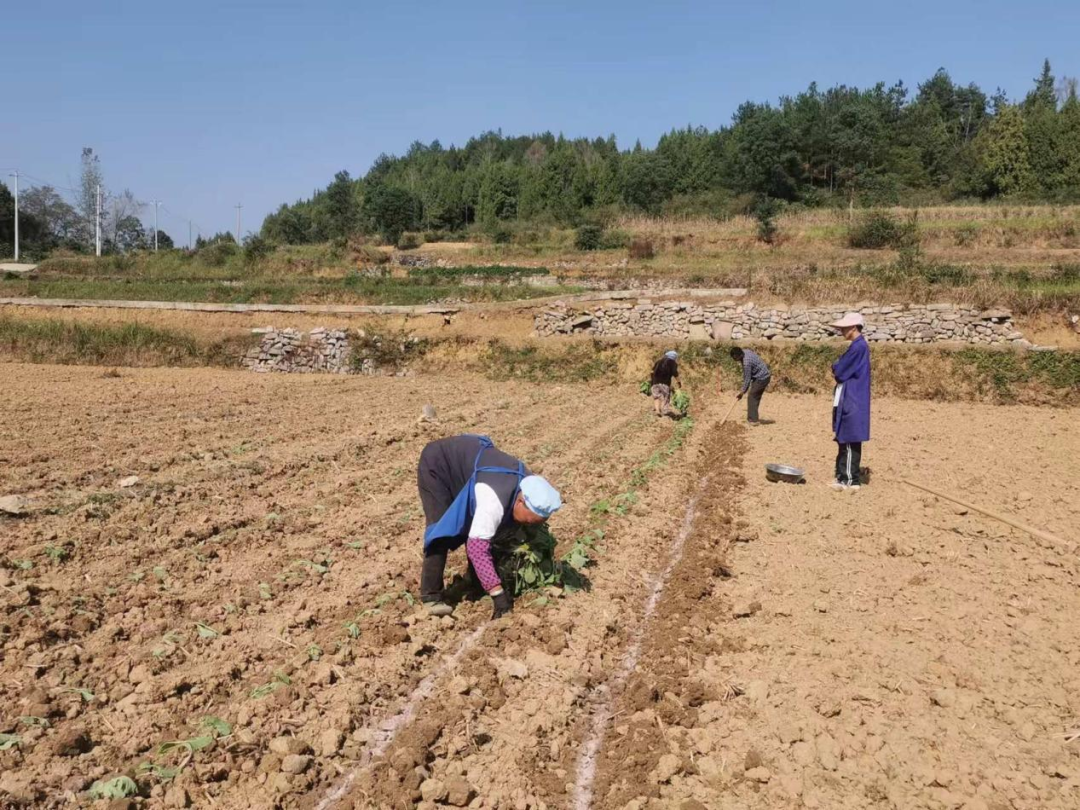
[[156, 204], [97, 220], [15, 174], [238, 207]]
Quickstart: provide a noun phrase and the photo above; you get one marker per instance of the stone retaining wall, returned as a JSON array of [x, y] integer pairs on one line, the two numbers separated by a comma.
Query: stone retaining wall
[[289, 350], [729, 320]]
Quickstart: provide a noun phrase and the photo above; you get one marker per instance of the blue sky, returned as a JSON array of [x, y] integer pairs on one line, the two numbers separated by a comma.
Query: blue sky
[[208, 104]]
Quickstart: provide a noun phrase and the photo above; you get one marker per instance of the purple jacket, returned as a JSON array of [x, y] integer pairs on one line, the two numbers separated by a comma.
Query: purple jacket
[[851, 418]]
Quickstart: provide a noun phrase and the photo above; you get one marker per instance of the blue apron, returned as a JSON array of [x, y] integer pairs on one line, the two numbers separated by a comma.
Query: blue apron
[[452, 524]]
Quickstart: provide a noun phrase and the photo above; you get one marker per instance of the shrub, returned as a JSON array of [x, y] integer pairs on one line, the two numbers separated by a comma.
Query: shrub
[[880, 229], [765, 215], [256, 248], [1068, 273], [589, 237], [501, 235], [369, 254], [409, 241], [642, 249], [218, 253], [434, 236], [614, 240]]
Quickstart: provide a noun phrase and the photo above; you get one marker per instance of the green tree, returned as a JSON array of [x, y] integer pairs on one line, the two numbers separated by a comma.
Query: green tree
[[1004, 150], [130, 235], [342, 206], [392, 211], [60, 222]]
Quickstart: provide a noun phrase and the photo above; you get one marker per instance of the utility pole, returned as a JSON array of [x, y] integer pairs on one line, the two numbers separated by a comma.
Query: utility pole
[[238, 207], [189, 235], [155, 203], [15, 174], [97, 220]]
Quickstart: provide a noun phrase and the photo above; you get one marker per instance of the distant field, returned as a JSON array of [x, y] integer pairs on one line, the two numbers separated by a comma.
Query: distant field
[[1025, 257]]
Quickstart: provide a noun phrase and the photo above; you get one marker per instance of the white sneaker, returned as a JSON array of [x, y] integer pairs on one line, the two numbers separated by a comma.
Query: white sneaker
[[837, 486], [854, 486]]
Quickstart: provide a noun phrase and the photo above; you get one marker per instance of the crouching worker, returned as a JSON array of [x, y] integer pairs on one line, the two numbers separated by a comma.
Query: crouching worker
[[471, 492], [665, 377]]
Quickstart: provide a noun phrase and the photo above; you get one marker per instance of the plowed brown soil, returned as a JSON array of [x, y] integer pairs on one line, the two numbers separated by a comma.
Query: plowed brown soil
[[810, 649]]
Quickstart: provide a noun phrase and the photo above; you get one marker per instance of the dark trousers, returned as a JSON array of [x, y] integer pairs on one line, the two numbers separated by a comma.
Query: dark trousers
[[848, 459], [431, 573], [753, 398]]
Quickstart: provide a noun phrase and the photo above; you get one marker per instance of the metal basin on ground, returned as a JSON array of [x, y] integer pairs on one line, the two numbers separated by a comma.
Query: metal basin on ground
[[782, 472]]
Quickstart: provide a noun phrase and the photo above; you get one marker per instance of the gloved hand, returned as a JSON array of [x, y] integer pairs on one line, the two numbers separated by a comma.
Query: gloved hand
[[503, 604]]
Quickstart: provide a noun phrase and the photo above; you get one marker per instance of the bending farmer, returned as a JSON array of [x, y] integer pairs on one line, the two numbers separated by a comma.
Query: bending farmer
[[755, 379], [851, 401], [665, 374], [471, 491]]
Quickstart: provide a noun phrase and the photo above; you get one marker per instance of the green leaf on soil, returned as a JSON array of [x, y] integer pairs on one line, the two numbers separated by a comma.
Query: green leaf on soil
[[314, 566], [280, 679], [206, 631], [119, 788], [9, 741], [32, 721], [220, 727], [160, 771]]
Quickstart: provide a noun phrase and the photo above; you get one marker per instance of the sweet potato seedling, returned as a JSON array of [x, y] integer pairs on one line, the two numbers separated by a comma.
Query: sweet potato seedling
[[280, 680], [162, 772], [58, 553], [85, 694], [8, 741], [120, 787], [206, 631], [34, 722]]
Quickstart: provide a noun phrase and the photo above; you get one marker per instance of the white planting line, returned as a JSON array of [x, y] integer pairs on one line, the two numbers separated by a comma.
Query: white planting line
[[387, 729], [604, 697]]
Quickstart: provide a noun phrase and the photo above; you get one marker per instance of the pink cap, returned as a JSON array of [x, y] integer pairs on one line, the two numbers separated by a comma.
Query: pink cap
[[850, 319]]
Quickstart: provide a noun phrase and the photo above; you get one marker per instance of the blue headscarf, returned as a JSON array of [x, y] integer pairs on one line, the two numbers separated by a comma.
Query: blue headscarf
[[540, 496], [672, 355]]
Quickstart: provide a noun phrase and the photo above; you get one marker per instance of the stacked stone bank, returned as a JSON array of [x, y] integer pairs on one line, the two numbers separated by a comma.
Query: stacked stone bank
[[729, 320], [289, 350]]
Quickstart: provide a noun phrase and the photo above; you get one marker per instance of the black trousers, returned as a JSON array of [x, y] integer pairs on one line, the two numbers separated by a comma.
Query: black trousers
[[848, 459], [431, 573], [753, 398]]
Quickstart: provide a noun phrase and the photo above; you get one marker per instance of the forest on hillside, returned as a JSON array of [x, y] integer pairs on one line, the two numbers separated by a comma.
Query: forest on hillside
[[841, 146]]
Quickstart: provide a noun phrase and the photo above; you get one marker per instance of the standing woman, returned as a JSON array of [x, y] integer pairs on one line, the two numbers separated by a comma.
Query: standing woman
[[851, 401], [665, 375]]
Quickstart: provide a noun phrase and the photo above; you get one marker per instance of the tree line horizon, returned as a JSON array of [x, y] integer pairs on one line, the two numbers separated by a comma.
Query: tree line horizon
[[841, 146], [880, 146]]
